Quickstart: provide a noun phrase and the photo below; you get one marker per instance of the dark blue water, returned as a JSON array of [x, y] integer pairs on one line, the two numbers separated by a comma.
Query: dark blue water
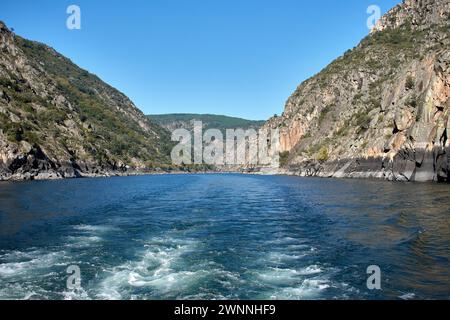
[[224, 237]]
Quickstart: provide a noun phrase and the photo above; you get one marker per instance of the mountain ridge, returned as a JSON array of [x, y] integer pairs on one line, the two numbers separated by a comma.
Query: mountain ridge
[[381, 110], [60, 121], [173, 121]]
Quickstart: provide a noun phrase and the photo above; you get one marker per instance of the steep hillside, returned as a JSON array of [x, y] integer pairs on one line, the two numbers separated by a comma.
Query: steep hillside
[[381, 110], [210, 121], [57, 120]]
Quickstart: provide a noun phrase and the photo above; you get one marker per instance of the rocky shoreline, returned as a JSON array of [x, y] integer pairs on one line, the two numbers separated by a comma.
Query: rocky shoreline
[[418, 165], [421, 166], [44, 176]]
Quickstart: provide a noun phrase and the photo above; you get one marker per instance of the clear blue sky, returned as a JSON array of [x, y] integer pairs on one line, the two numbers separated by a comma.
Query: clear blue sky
[[235, 57]]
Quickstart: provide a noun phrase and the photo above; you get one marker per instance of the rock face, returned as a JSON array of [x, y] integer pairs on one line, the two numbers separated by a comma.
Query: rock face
[[59, 121], [383, 109]]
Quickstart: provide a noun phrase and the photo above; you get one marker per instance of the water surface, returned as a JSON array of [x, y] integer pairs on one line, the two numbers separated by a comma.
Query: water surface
[[224, 237]]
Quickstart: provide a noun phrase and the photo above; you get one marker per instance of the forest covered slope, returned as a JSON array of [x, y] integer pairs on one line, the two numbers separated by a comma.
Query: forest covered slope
[[58, 120]]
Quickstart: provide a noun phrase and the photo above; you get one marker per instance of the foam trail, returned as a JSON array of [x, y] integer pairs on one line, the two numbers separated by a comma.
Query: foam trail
[[160, 268]]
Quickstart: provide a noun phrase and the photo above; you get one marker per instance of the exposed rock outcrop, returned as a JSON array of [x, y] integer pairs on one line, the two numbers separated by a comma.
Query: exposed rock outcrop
[[382, 110], [59, 121]]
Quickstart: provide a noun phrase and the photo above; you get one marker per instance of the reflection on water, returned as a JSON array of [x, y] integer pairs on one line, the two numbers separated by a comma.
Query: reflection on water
[[224, 237]]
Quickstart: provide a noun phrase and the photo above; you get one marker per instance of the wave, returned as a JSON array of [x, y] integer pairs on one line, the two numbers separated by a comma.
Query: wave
[[37, 269], [308, 289], [92, 229], [37, 260], [159, 269], [287, 276], [27, 276], [278, 257]]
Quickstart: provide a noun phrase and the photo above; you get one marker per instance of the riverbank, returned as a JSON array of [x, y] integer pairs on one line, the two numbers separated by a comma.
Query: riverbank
[[52, 175], [429, 168], [360, 168]]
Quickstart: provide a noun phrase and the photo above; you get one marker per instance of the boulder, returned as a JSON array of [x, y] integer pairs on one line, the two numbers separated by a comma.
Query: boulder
[[403, 119]]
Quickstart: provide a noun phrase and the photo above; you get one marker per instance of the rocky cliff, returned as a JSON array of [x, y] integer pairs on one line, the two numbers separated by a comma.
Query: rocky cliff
[[59, 121], [382, 109]]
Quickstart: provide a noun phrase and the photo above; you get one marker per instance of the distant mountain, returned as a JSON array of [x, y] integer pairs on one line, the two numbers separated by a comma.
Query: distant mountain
[[382, 110], [210, 121], [58, 120]]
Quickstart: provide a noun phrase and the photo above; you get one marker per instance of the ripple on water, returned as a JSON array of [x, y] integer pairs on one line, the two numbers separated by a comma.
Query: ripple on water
[[87, 236], [22, 274], [287, 274], [39, 270], [158, 268], [33, 263], [94, 229], [307, 289], [163, 270]]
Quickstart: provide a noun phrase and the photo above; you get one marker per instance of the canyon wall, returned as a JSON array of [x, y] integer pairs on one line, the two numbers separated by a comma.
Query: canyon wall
[[60, 121], [382, 109]]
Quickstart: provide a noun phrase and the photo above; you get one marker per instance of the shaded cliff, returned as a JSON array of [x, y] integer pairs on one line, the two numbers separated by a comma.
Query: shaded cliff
[[59, 121], [382, 109]]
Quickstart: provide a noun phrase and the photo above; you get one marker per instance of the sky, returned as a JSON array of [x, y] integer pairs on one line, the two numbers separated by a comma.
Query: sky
[[239, 58]]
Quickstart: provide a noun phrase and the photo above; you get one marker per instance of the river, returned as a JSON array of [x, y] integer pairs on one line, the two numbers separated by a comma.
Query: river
[[224, 236]]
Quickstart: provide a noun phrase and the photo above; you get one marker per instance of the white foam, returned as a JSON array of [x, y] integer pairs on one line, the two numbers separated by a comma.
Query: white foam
[[90, 228], [157, 269], [285, 276], [278, 276], [208, 296], [309, 289], [16, 255], [296, 247], [173, 281], [79, 294], [21, 275], [285, 240], [18, 291], [407, 296], [85, 239], [36, 262], [314, 269], [87, 236], [283, 257]]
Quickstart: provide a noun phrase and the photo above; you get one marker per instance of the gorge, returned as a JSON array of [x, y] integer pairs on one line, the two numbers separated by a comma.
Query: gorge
[[253, 209], [382, 110]]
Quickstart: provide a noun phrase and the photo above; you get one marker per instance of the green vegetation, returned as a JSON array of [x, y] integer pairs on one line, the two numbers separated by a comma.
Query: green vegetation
[[324, 113], [395, 44], [370, 72], [357, 98], [403, 39], [343, 130], [362, 118], [17, 132], [210, 121], [374, 103], [284, 157], [412, 102], [410, 83], [103, 121], [307, 135], [322, 155]]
